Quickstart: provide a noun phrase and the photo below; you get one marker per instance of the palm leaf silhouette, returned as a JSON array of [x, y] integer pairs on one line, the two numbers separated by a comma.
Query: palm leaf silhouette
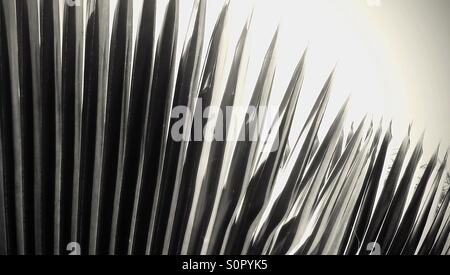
[[87, 154]]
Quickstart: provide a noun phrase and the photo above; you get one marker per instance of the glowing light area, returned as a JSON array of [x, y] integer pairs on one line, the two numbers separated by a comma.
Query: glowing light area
[[378, 61], [375, 48], [391, 57]]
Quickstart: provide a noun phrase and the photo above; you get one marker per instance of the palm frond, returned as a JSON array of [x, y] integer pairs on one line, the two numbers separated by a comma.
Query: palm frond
[[89, 104]]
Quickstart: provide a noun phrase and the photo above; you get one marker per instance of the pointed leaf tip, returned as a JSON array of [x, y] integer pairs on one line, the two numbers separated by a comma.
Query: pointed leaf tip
[[446, 156], [422, 137], [304, 55], [331, 76], [333, 72], [226, 5], [224, 12], [249, 19], [436, 152], [277, 30], [275, 35], [365, 118], [347, 101]]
